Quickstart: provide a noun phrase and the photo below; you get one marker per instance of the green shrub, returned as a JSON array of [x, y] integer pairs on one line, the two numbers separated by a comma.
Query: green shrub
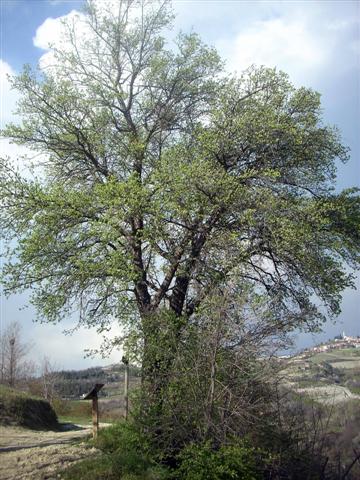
[[125, 456], [230, 462], [129, 449], [122, 436]]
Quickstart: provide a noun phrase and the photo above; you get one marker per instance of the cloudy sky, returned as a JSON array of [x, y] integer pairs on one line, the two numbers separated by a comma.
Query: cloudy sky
[[316, 42]]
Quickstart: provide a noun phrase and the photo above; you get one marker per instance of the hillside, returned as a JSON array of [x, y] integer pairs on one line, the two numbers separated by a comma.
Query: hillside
[[20, 409], [331, 376], [72, 384]]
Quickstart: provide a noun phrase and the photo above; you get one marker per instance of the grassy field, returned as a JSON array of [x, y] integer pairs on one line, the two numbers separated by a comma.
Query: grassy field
[[344, 355], [79, 411]]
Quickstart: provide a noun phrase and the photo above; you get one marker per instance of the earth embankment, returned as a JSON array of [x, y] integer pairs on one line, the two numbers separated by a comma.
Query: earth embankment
[[20, 409]]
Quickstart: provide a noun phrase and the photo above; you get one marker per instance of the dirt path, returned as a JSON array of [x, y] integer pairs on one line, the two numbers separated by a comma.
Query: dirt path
[[38, 455]]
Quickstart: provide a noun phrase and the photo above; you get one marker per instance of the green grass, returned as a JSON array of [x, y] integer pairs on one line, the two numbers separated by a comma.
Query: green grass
[[355, 390], [76, 411], [349, 352], [79, 420], [103, 468], [10, 393], [336, 355], [79, 411], [92, 469]]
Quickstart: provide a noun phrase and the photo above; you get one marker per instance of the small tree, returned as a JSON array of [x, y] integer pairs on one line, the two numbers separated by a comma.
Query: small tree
[[14, 366], [49, 376]]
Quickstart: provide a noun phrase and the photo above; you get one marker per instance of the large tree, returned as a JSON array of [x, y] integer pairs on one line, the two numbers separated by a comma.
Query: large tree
[[164, 178]]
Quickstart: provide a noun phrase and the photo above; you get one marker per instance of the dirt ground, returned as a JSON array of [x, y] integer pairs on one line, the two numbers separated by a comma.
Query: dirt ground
[[39, 455]]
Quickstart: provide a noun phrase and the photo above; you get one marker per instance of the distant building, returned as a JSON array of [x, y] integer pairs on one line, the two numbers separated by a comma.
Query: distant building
[[339, 342], [340, 337]]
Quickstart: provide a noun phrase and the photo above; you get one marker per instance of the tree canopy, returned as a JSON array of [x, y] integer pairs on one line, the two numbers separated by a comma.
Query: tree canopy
[[165, 178]]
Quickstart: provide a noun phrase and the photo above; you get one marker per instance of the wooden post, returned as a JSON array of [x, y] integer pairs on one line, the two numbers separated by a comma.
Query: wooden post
[[93, 396], [126, 387], [95, 415]]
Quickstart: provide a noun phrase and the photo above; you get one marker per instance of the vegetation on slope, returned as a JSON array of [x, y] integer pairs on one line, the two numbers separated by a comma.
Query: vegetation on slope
[[19, 408]]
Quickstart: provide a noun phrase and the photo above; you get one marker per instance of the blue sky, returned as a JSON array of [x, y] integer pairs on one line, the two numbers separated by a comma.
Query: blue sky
[[316, 42]]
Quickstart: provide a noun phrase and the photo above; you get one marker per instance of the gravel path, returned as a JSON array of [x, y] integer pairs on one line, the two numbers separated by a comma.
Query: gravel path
[[39, 455]]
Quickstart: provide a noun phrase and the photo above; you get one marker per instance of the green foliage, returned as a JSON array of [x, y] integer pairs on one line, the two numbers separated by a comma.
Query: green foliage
[[217, 384], [202, 462], [125, 455], [129, 448], [165, 180], [121, 435]]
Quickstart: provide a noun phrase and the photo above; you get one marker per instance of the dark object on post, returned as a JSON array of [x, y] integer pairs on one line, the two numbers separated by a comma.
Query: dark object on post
[[93, 395], [126, 386]]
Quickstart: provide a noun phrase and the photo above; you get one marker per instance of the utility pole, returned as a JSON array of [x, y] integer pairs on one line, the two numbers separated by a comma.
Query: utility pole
[[126, 387], [12, 362], [2, 346]]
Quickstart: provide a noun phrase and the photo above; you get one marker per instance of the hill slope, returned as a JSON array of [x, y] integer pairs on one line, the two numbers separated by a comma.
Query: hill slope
[[19, 408], [326, 376]]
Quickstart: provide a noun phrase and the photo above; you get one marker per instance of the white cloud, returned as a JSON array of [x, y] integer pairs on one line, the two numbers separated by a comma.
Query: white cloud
[[276, 42], [338, 25], [53, 33], [305, 39], [8, 97], [27, 161], [69, 351], [20, 156], [312, 41], [66, 351]]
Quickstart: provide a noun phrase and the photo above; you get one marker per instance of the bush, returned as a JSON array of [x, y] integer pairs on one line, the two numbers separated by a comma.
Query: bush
[[202, 462], [125, 456]]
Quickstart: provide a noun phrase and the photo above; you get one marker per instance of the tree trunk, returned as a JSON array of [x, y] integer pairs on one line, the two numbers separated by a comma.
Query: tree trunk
[[161, 332]]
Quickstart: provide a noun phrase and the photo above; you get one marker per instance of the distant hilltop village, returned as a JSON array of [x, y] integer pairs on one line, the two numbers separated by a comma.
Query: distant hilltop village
[[340, 341]]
